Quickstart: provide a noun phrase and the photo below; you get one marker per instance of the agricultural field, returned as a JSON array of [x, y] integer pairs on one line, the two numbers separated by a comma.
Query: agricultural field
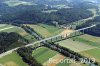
[[12, 59], [92, 41], [88, 39], [75, 45], [43, 55], [86, 45], [93, 53], [10, 28], [46, 30]]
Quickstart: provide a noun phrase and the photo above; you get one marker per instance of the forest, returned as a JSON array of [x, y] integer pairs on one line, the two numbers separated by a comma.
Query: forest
[[10, 40], [26, 54], [33, 14], [93, 31]]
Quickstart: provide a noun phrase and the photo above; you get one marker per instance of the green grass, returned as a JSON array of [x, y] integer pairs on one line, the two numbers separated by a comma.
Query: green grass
[[30, 38], [14, 29], [46, 30], [87, 41], [50, 28], [38, 52], [64, 63], [93, 41], [91, 38], [43, 54], [18, 30], [75, 45], [13, 57], [4, 26], [40, 30], [94, 53]]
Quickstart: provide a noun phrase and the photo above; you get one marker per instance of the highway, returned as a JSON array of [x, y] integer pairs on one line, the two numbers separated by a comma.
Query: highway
[[42, 40]]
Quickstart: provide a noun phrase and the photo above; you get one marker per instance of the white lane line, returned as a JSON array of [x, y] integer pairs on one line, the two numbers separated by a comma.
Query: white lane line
[[6, 28]]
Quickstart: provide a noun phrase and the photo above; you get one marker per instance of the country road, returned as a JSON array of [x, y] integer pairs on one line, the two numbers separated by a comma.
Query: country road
[[6, 28]]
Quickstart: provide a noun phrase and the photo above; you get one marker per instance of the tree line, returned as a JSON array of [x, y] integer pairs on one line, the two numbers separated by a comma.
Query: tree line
[[26, 54], [69, 53]]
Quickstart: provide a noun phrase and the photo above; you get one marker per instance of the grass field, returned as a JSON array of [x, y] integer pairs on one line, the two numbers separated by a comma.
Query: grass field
[[17, 30], [93, 53], [46, 30], [12, 59], [75, 45], [43, 54], [63, 64], [89, 40]]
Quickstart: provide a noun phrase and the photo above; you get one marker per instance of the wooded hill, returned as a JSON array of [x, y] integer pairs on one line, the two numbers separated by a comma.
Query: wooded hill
[[29, 15], [94, 31]]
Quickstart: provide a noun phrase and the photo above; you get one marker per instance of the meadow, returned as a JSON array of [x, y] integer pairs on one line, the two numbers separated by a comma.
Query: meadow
[[43, 55], [12, 59], [46, 30], [75, 45], [93, 53], [18, 30]]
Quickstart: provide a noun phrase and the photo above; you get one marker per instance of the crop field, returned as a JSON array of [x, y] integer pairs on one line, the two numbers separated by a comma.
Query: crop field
[[64, 63], [12, 59], [93, 41], [10, 28], [75, 45], [46, 30], [86, 45], [43, 55], [90, 38], [6, 28], [93, 53]]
